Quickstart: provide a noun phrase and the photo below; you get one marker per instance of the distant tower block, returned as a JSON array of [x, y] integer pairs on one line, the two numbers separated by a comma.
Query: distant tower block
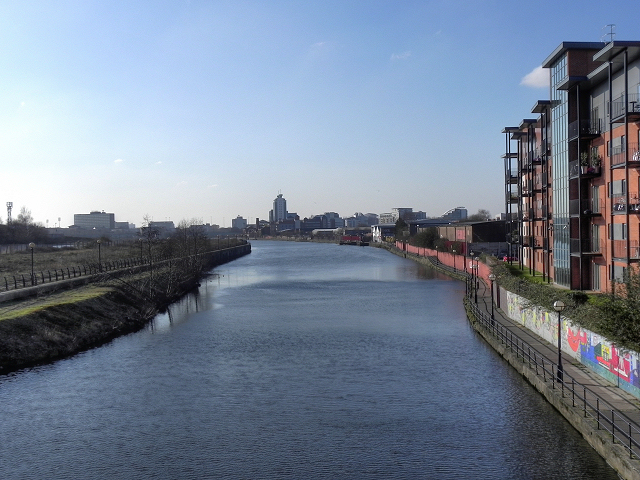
[[9, 207]]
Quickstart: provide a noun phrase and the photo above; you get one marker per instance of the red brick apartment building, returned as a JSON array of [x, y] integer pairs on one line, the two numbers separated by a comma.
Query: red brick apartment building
[[572, 171]]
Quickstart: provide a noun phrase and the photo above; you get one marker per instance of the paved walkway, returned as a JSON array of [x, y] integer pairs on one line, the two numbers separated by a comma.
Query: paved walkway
[[614, 396]]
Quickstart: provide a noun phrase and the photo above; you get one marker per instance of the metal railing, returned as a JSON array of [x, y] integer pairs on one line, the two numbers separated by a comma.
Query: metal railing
[[622, 429], [14, 282], [618, 105], [25, 280]]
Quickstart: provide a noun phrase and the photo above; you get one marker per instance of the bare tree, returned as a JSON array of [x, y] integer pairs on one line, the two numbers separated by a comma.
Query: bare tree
[[481, 215]]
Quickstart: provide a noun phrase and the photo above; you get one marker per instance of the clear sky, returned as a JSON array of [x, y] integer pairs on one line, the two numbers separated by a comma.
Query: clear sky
[[208, 109]]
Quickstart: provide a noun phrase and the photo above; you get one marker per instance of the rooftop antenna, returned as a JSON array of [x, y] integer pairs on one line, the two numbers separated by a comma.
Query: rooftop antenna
[[611, 33], [9, 207]]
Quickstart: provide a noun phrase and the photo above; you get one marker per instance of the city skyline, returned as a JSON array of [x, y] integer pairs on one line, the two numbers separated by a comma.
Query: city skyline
[[208, 109]]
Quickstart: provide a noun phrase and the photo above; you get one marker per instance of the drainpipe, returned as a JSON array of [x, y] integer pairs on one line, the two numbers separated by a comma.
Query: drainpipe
[[626, 152]]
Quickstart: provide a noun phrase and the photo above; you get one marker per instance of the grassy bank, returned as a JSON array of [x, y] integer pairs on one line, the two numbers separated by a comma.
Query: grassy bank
[[42, 329]]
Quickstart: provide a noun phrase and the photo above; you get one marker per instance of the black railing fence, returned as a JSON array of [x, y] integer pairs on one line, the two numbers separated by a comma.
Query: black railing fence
[[38, 277]]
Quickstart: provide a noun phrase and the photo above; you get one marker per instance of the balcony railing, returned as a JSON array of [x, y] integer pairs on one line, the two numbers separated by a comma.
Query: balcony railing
[[535, 156], [586, 245], [621, 207], [618, 155], [620, 249], [634, 153], [585, 128], [618, 106], [591, 206], [575, 169]]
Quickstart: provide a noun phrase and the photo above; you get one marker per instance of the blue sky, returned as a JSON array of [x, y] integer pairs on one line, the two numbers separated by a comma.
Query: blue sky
[[209, 109]]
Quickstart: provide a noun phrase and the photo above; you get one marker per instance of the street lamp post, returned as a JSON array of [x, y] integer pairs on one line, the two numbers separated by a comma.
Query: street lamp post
[[437, 258], [559, 306], [492, 278], [31, 246], [477, 282], [471, 280], [99, 255], [454, 259]]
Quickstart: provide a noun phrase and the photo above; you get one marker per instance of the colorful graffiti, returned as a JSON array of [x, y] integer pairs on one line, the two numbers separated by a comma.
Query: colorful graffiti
[[592, 350], [616, 362]]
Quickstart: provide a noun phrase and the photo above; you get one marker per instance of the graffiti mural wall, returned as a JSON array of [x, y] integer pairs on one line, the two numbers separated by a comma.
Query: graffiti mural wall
[[619, 366]]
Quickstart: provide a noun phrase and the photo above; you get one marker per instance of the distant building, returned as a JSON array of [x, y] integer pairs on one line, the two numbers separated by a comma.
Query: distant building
[[287, 225], [317, 222], [487, 233], [334, 220], [381, 232], [94, 219], [407, 214], [361, 220], [239, 223], [279, 211], [411, 216], [402, 213], [168, 225], [163, 229], [387, 218], [457, 214]]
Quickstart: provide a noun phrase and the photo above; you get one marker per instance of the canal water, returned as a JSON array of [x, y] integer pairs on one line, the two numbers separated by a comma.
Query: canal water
[[301, 361]]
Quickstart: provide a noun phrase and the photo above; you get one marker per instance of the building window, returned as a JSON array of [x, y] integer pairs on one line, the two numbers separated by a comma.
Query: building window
[[595, 277]]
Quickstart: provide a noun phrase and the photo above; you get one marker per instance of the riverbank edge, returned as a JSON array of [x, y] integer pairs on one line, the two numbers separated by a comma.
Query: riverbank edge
[[615, 455], [61, 331]]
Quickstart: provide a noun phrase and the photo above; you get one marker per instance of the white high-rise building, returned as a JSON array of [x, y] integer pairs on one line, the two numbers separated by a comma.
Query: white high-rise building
[[239, 223], [279, 211]]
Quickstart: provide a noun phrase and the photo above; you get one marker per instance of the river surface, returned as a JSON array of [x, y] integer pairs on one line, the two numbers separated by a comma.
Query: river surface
[[301, 361]]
